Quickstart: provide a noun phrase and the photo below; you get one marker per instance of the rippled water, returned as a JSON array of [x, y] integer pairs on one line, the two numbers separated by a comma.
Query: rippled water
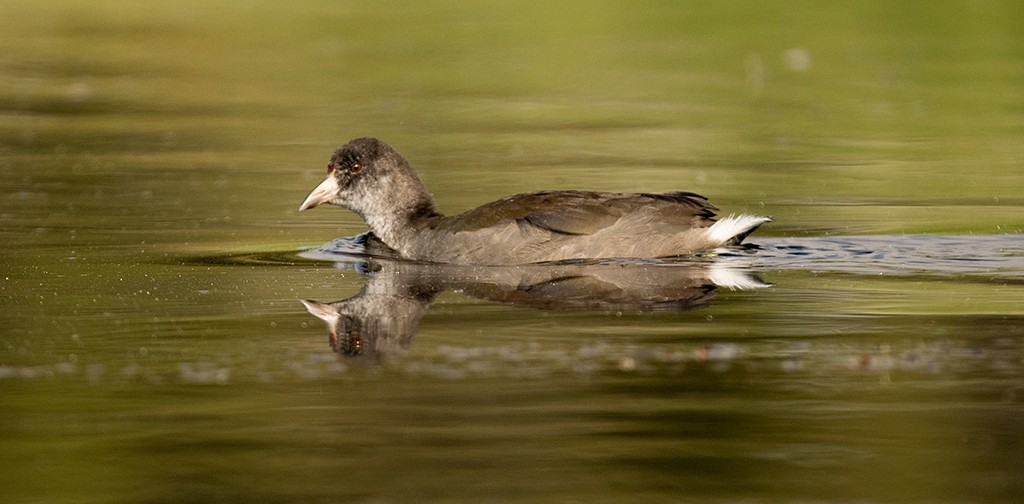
[[383, 317], [996, 256], [799, 369], [171, 329]]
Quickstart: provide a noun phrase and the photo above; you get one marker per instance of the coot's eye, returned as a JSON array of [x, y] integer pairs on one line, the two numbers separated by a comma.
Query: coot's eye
[[355, 168], [330, 168]]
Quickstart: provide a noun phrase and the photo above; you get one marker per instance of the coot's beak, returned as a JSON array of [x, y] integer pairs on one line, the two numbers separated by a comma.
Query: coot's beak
[[323, 193]]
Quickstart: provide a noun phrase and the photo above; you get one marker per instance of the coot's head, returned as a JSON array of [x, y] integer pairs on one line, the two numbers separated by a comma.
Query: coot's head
[[368, 177]]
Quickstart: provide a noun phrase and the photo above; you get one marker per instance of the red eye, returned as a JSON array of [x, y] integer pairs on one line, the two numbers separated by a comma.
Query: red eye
[[355, 168], [330, 169]]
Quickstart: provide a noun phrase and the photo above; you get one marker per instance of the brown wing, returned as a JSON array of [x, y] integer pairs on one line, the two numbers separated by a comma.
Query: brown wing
[[583, 213], [695, 203]]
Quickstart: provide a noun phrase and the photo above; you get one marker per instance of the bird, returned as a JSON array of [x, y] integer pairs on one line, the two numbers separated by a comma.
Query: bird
[[370, 178]]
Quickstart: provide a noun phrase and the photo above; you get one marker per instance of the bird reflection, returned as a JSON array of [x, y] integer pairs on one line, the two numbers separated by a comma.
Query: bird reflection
[[383, 318]]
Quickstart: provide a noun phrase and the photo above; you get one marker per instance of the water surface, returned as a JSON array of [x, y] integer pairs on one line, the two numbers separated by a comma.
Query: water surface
[[154, 344]]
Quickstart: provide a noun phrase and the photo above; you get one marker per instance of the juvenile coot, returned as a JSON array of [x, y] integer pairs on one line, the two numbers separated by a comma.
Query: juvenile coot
[[373, 180]]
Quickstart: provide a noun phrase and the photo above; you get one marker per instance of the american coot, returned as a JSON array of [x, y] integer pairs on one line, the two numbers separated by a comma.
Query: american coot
[[373, 180]]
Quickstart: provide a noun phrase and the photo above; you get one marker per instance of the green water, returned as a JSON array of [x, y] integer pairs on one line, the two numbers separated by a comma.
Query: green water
[[153, 346]]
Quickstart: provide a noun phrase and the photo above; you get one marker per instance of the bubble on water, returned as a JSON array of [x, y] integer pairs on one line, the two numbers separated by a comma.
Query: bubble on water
[[627, 364]]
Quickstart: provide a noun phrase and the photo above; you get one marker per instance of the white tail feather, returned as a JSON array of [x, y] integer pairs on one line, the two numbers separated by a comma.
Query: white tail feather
[[732, 226]]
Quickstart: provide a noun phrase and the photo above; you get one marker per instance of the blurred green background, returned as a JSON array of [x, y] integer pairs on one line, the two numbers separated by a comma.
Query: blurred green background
[[150, 152]]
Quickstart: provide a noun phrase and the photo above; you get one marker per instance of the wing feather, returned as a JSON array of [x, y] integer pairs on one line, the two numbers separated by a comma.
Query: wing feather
[[585, 213]]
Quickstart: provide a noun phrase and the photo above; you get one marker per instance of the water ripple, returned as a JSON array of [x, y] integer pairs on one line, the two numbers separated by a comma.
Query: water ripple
[[994, 255]]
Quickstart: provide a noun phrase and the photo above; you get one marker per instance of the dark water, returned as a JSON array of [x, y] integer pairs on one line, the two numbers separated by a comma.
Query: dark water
[[170, 330]]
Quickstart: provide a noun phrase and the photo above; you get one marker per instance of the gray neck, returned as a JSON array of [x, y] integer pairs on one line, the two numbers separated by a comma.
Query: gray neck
[[400, 227], [398, 215]]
